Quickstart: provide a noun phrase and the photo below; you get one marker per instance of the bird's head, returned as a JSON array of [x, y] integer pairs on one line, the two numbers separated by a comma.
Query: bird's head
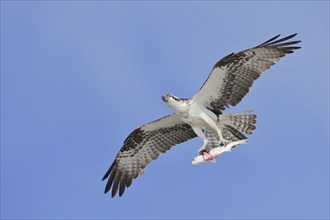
[[169, 98], [176, 103]]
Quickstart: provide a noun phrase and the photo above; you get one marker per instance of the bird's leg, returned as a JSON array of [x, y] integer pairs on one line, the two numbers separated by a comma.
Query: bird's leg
[[199, 132], [214, 126], [203, 148], [222, 139]]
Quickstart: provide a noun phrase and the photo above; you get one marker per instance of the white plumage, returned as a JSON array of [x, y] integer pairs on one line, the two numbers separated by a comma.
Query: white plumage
[[228, 82]]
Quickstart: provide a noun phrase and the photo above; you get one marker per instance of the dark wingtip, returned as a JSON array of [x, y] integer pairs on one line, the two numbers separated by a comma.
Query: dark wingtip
[[106, 174], [291, 36], [113, 192], [121, 194], [274, 38], [104, 177], [273, 41], [107, 188]]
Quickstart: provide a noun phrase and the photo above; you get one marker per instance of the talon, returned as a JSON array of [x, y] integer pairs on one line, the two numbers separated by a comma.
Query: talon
[[202, 151], [224, 142], [207, 156]]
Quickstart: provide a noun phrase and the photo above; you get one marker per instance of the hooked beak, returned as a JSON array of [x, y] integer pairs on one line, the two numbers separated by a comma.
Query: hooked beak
[[164, 98]]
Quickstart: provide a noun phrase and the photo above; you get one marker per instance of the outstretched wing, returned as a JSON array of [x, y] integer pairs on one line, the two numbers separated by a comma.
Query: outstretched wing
[[231, 77], [142, 146]]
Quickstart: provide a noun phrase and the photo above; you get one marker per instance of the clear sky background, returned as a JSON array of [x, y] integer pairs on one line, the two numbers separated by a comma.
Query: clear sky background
[[77, 77]]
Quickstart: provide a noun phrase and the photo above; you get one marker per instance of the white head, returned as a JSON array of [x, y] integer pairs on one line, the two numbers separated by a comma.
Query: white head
[[176, 103]]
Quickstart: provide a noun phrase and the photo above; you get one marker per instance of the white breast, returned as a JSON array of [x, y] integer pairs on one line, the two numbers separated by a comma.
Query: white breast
[[193, 116]]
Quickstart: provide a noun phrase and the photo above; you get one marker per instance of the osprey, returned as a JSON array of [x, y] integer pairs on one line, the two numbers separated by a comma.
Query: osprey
[[201, 115]]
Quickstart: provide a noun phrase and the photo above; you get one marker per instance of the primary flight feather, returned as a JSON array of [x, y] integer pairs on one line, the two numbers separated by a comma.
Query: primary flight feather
[[201, 115]]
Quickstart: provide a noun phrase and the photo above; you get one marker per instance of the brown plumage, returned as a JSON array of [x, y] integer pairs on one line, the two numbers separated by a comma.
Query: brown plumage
[[232, 77], [141, 147], [228, 82]]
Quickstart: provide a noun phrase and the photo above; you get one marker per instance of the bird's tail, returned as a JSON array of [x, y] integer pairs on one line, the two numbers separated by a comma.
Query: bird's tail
[[232, 126], [241, 121]]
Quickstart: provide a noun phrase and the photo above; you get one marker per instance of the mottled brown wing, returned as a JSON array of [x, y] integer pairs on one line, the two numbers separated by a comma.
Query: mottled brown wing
[[141, 147], [232, 77]]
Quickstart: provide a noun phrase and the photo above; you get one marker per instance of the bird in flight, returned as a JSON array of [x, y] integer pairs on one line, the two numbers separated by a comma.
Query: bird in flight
[[201, 115]]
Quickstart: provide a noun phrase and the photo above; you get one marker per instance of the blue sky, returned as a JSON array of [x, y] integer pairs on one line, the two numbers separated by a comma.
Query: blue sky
[[77, 77]]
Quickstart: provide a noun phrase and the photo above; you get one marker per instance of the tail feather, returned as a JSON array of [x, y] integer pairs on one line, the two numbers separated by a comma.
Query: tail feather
[[228, 132], [242, 121], [232, 126], [234, 133]]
